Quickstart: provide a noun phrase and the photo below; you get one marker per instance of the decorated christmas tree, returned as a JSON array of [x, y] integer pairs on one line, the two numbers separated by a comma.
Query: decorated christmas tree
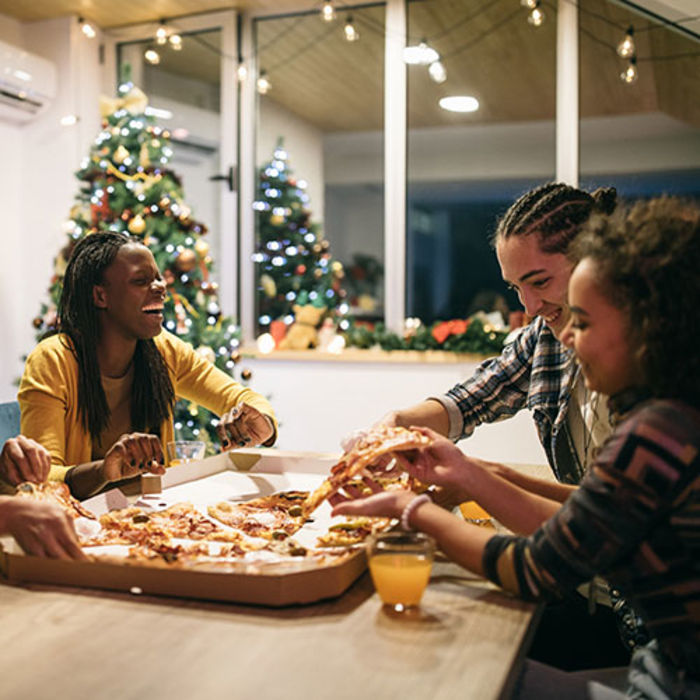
[[128, 188], [294, 262]]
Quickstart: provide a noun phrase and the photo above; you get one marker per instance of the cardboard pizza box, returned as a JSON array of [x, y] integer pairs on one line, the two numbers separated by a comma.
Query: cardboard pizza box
[[240, 475]]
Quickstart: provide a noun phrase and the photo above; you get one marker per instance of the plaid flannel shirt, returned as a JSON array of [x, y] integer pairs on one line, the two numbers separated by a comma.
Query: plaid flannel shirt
[[534, 371]]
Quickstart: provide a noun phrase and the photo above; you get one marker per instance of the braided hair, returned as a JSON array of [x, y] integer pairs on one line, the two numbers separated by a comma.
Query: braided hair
[[647, 259], [152, 396], [554, 212]]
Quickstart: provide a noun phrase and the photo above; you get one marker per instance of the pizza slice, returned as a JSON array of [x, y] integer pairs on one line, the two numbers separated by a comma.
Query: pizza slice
[[377, 443], [55, 492], [351, 532]]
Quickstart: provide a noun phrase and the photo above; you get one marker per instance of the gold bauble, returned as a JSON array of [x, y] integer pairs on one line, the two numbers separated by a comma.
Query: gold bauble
[[268, 285], [120, 154], [186, 260], [144, 159], [202, 248], [337, 266], [276, 219], [164, 202], [318, 273], [137, 225]]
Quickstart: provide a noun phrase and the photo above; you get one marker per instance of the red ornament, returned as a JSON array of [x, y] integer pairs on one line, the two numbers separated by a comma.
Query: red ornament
[[300, 270], [278, 329]]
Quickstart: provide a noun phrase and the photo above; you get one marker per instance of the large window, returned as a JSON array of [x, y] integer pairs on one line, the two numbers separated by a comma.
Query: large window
[[465, 168], [323, 103], [642, 136]]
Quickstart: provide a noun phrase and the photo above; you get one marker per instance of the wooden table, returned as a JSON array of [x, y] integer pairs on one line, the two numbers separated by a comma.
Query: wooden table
[[468, 642]]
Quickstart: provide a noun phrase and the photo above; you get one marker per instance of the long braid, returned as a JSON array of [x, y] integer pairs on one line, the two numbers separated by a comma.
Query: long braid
[[554, 212], [153, 395]]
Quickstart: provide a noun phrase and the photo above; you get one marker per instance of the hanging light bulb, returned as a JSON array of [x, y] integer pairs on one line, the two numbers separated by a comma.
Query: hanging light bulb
[[242, 72], [536, 16], [175, 41], [351, 34], [87, 28], [626, 48], [630, 74], [437, 72], [421, 55], [327, 12], [530, 4], [161, 34], [152, 56], [263, 83]]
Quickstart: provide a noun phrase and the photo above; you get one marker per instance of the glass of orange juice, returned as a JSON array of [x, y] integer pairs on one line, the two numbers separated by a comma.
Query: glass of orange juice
[[400, 564]]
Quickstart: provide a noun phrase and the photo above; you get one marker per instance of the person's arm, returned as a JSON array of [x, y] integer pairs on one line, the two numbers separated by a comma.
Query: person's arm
[[546, 488], [429, 414], [199, 380], [41, 529], [23, 459], [130, 456]]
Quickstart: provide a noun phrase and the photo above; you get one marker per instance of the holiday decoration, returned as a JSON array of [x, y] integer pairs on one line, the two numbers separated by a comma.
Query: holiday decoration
[[295, 267], [302, 333], [127, 187]]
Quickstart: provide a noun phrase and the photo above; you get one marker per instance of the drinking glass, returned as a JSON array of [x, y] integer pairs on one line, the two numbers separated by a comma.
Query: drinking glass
[[183, 451], [400, 564]]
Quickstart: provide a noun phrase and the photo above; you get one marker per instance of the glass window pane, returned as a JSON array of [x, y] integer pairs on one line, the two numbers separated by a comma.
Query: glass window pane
[[642, 136], [466, 168], [324, 106]]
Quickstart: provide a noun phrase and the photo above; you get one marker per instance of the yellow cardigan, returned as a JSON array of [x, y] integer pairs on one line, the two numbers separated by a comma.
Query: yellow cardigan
[[48, 396]]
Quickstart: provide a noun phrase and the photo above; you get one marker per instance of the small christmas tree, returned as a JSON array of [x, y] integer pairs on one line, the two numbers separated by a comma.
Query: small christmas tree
[[128, 188], [294, 261]]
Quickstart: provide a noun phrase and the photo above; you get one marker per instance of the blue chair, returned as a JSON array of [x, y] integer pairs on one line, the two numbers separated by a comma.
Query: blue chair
[[9, 421]]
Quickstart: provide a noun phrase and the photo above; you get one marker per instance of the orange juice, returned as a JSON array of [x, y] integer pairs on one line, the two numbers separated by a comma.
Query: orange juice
[[473, 513], [400, 579]]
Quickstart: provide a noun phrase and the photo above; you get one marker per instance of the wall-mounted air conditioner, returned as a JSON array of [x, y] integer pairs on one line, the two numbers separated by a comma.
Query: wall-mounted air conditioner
[[27, 83]]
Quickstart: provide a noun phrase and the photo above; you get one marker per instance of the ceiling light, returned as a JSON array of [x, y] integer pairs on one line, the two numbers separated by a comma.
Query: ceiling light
[[175, 41], [626, 48], [152, 56], [459, 103], [536, 16], [421, 55], [242, 72], [530, 4], [351, 34], [630, 74], [161, 34]]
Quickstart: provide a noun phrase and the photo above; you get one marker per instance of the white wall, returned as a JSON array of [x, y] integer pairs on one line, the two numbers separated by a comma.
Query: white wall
[[38, 183]]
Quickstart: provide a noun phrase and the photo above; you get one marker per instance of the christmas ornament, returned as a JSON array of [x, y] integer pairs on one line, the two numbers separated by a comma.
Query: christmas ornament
[[246, 374], [144, 159], [120, 154], [235, 357], [134, 102], [268, 286], [186, 260], [276, 219], [164, 203], [300, 270], [38, 322], [137, 225], [202, 248], [278, 329]]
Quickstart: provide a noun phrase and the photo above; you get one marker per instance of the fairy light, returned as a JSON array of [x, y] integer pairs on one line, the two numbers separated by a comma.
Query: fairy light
[[161, 34], [530, 4], [437, 72], [328, 11], [626, 48], [263, 83], [86, 28], [175, 42], [536, 16], [630, 74], [152, 56], [421, 55], [351, 34], [242, 72]]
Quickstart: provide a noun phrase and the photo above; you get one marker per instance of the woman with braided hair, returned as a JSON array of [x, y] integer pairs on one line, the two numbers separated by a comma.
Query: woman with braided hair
[[99, 394]]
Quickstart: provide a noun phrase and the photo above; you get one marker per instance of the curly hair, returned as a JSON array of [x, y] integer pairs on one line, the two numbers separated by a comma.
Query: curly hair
[[647, 263], [554, 212], [153, 396]]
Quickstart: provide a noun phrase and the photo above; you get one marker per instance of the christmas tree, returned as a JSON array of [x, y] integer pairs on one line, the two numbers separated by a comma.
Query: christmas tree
[[293, 259], [128, 188]]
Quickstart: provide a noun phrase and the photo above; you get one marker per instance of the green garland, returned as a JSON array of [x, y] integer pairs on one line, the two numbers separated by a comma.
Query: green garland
[[476, 339]]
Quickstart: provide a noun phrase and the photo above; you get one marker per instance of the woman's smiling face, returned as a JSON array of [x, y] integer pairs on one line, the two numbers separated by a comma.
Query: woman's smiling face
[[540, 279], [599, 334]]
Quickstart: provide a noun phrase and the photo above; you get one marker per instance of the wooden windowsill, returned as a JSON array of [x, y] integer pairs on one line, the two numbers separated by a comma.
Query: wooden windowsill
[[357, 355]]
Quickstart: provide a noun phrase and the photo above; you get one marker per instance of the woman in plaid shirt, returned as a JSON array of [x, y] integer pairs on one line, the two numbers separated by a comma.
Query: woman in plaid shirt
[[634, 518]]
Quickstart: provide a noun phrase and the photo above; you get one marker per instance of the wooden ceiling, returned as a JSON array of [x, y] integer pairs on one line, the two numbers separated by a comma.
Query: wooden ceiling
[[488, 49]]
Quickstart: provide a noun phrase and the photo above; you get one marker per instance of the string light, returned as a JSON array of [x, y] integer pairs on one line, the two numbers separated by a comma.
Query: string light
[[242, 72], [530, 4], [437, 72], [421, 55], [175, 42], [626, 48], [630, 74], [351, 34], [536, 16], [263, 83], [152, 56], [327, 12], [162, 34], [87, 28]]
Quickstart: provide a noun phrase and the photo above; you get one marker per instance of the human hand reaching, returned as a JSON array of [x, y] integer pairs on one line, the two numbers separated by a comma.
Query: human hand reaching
[[244, 426], [133, 454]]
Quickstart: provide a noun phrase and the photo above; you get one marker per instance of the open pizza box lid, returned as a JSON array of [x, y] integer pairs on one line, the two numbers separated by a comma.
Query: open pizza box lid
[[236, 476]]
